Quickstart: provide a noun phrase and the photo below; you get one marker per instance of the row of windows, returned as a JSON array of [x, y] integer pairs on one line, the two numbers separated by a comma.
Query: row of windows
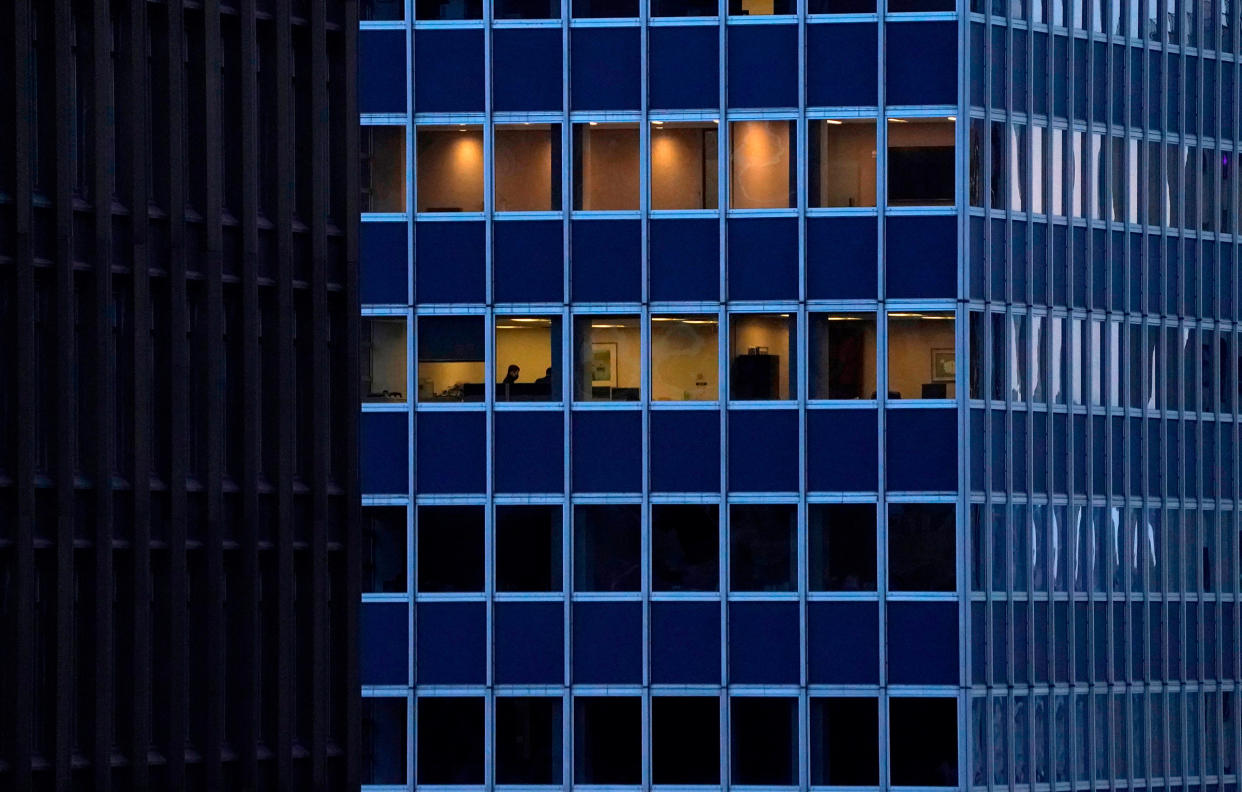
[[686, 549], [682, 351], [1088, 174], [394, 10], [1103, 362], [1130, 18], [1082, 549], [842, 736], [683, 160]]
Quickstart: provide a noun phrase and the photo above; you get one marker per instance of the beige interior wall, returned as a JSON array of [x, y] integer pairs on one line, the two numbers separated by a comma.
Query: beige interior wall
[[847, 164], [820, 361], [759, 166], [684, 360], [387, 169], [628, 355], [677, 162], [610, 168], [450, 170], [523, 170], [920, 133], [530, 348], [910, 342], [388, 355], [763, 331], [435, 378]]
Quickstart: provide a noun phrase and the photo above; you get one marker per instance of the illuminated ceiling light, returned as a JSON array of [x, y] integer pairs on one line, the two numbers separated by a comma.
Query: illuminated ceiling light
[[898, 121], [845, 318], [593, 123], [833, 121], [665, 319], [951, 118], [532, 319], [700, 321]]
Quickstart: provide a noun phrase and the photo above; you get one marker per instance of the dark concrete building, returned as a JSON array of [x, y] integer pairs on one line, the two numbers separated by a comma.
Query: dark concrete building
[[178, 574]]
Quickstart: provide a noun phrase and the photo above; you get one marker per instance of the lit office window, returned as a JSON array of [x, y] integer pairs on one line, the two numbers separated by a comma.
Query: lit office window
[[840, 6], [450, 358], [383, 359], [452, 752], [921, 358], [760, 7], [842, 356], [606, 167], [684, 8], [450, 549], [842, 160], [607, 547], [383, 740], [528, 358], [845, 736], [763, 349], [450, 168], [763, 550], [685, 740], [528, 740], [608, 740], [922, 547], [604, 9], [761, 165], [922, 741], [527, 165], [526, 9], [764, 745], [448, 9], [841, 539], [683, 164], [383, 563], [606, 358], [685, 547], [381, 10], [684, 357], [528, 548], [920, 162], [383, 168]]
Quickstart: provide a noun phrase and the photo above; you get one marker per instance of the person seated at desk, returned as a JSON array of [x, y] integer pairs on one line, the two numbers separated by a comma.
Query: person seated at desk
[[512, 376], [546, 379]]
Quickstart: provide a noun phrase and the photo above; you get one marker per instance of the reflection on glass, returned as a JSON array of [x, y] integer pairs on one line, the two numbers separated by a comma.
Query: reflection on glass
[[761, 165], [920, 161], [528, 358], [921, 358], [842, 162], [528, 167], [605, 166], [683, 165], [763, 547], [383, 359], [842, 356], [684, 356], [606, 358], [450, 168], [383, 168], [763, 349], [450, 358]]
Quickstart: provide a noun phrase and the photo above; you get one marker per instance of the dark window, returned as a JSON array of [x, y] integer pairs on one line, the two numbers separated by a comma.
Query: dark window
[[528, 740], [685, 738], [684, 8], [607, 547], [382, 9], [685, 547], [383, 359], [921, 547], [384, 563], [845, 742], [762, 547], [765, 741], [527, 9], [528, 548], [840, 7], [605, 9], [448, 9], [451, 752], [608, 740], [842, 547], [450, 548], [923, 741], [383, 740]]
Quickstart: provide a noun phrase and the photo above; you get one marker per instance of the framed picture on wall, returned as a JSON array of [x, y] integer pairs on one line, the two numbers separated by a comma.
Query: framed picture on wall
[[943, 365], [604, 364]]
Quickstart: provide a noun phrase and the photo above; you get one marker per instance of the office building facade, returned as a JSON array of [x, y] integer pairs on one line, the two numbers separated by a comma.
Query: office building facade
[[812, 393], [178, 499]]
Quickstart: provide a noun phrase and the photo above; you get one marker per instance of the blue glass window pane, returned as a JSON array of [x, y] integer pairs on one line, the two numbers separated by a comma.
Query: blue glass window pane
[[921, 257], [608, 643], [529, 643], [763, 66], [452, 643], [527, 261], [684, 259], [383, 257], [604, 69], [685, 451], [385, 448], [685, 643], [451, 449], [448, 69], [841, 65], [763, 259], [606, 260], [526, 70], [381, 71], [922, 643], [449, 262], [763, 450], [529, 450], [684, 62], [607, 451], [763, 643], [384, 642], [841, 258], [839, 429], [843, 643], [922, 450]]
